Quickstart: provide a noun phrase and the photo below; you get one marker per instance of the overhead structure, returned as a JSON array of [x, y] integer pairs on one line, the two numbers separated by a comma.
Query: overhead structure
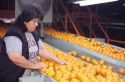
[[44, 5]]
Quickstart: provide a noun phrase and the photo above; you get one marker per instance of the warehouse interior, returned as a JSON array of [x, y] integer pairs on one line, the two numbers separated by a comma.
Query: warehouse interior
[[92, 33]]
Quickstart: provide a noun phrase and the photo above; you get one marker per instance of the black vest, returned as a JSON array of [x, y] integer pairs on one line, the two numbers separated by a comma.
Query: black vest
[[9, 72]]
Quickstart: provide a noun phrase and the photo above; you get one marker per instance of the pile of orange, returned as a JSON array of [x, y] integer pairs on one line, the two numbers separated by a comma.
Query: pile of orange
[[76, 70], [91, 44], [100, 63]]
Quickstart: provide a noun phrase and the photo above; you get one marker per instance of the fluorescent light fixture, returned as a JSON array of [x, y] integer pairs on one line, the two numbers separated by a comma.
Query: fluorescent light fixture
[[92, 2], [123, 4], [78, 2]]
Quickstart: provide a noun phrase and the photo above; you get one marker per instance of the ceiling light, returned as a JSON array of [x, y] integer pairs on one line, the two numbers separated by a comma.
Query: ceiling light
[[92, 2]]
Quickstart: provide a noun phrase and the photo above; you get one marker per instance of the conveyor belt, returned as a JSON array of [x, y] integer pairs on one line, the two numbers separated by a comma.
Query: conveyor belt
[[45, 77], [48, 79], [66, 46]]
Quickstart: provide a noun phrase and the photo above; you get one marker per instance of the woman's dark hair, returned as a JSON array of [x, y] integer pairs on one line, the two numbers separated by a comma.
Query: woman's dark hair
[[27, 15]]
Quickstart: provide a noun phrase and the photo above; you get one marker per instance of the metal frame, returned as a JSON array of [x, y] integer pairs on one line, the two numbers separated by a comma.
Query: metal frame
[[91, 17]]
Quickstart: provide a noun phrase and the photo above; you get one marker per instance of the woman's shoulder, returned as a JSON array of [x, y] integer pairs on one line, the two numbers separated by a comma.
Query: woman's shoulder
[[14, 29], [16, 32]]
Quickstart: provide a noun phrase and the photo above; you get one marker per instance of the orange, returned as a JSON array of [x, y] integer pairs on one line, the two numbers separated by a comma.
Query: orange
[[110, 68], [94, 62], [88, 59], [83, 57], [121, 71], [101, 62]]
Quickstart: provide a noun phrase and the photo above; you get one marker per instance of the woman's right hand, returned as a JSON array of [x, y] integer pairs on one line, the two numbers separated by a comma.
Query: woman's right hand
[[39, 65]]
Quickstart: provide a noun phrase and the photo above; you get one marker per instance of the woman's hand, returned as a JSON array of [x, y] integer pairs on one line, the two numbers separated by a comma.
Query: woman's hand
[[47, 55], [62, 62], [39, 65]]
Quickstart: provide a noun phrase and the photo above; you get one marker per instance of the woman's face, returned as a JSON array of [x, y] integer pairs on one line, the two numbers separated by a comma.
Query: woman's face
[[32, 25]]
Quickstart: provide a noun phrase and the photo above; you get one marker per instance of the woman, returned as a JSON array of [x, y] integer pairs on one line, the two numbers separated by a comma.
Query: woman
[[21, 46]]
